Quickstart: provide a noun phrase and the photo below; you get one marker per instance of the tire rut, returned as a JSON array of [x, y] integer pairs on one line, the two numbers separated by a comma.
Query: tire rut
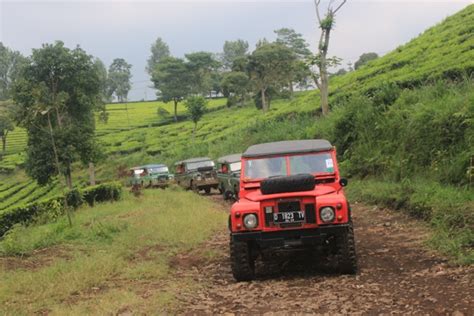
[[397, 276]]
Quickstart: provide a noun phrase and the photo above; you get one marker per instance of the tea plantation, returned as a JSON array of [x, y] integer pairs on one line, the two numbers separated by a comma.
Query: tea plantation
[[404, 121]]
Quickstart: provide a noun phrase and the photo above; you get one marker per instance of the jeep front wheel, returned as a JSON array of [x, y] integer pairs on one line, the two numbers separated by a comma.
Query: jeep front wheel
[[242, 261], [347, 258]]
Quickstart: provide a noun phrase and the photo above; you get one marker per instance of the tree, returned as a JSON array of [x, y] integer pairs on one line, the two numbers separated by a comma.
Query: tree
[[320, 59], [270, 65], [196, 106], [10, 64], [233, 50], [119, 78], [6, 122], [295, 42], [56, 94], [105, 96], [172, 79], [201, 65], [364, 59], [235, 86], [159, 51]]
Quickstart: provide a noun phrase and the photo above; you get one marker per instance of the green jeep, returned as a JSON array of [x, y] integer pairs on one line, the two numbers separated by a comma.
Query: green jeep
[[156, 175], [228, 173], [197, 174]]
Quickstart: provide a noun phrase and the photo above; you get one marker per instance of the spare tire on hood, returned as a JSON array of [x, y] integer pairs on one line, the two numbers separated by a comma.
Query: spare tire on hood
[[282, 184]]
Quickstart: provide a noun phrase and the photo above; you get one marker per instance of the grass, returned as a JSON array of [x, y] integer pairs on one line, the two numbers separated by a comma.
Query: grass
[[112, 255], [448, 210]]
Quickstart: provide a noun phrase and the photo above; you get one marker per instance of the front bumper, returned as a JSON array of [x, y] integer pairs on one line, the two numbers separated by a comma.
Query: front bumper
[[296, 237]]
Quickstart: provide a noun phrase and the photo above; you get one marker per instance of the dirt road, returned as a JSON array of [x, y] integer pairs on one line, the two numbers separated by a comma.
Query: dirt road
[[397, 276]]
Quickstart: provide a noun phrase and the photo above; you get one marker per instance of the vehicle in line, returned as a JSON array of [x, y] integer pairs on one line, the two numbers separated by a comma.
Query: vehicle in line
[[197, 174], [291, 198], [228, 173], [152, 175]]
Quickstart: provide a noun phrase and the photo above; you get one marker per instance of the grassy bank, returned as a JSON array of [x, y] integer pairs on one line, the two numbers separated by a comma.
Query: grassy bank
[[448, 210], [112, 255]]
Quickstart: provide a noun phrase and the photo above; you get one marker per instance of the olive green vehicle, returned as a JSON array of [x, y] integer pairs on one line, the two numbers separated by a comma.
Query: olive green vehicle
[[197, 174], [156, 175], [228, 173]]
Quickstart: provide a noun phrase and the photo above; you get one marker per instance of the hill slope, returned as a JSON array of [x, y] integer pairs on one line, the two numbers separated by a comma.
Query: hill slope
[[387, 122]]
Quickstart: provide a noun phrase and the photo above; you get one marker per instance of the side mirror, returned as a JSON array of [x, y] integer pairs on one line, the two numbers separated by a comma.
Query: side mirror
[[343, 182]]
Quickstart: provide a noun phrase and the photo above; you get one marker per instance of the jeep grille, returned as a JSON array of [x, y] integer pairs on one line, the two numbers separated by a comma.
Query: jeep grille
[[289, 206]]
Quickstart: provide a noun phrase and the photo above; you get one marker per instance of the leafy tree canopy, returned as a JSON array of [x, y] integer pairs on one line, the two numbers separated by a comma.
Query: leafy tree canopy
[[294, 41], [201, 65], [10, 64], [364, 59], [233, 50], [56, 94], [172, 79], [119, 79], [271, 64], [6, 121], [159, 50], [196, 106]]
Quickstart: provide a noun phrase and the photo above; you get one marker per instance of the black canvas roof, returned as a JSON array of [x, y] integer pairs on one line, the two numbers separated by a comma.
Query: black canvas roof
[[230, 158], [287, 147], [193, 160]]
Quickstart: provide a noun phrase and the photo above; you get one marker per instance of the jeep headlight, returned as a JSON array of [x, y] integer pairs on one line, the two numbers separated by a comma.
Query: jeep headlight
[[250, 221], [198, 177], [326, 214]]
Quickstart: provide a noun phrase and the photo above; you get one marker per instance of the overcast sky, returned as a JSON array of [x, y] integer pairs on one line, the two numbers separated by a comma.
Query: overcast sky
[[126, 29]]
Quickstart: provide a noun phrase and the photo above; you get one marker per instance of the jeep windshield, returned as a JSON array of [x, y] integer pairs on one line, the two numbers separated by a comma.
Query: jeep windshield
[[261, 168], [158, 170], [235, 166], [199, 164]]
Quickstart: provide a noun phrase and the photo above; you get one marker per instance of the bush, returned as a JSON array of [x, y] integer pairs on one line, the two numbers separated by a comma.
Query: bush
[[102, 193], [75, 198]]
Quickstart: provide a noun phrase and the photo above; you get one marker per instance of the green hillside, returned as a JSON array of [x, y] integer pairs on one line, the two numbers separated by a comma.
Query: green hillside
[[404, 119]]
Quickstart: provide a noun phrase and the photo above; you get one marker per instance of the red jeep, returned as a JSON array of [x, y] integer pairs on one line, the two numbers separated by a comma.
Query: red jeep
[[291, 197]]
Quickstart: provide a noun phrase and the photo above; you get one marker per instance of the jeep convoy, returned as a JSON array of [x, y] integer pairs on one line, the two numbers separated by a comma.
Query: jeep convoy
[[197, 174], [291, 197], [228, 173], [150, 175]]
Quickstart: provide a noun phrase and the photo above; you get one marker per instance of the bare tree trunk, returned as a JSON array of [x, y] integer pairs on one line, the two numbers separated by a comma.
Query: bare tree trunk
[[264, 101], [290, 85], [324, 93], [175, 110], [91, 173], [56, 158]]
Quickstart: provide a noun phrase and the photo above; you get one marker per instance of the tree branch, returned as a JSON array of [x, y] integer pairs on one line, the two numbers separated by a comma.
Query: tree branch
[[342, 3], [316, 5]]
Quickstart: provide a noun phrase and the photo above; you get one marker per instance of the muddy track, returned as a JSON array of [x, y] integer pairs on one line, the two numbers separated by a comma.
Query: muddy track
[[397, 276]]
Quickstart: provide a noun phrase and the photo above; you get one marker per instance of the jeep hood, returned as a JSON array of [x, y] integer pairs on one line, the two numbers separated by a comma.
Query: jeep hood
[[257, 196]]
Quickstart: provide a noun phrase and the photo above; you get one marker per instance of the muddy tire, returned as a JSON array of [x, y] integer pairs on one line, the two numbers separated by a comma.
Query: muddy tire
[[207, 190], [282, 184], [227, 195], [242, 262], [346, 254]]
